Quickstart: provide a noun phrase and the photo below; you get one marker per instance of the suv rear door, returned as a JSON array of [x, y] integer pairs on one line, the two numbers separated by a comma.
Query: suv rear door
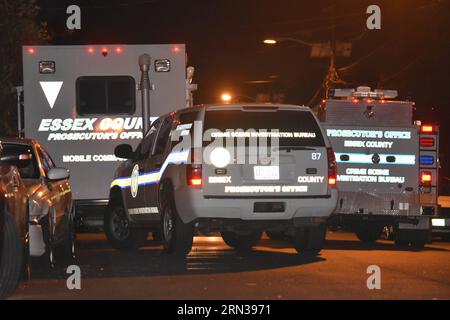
[[294, 164]]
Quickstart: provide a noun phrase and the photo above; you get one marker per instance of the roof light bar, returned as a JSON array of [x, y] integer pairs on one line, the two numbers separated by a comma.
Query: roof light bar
[[363, 92]]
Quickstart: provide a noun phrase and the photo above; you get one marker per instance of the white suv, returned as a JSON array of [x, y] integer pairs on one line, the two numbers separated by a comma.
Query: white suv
[[236, 169]]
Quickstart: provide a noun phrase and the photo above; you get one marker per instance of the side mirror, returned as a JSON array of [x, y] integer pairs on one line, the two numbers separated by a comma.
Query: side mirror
[[124, 151], [56, 174]]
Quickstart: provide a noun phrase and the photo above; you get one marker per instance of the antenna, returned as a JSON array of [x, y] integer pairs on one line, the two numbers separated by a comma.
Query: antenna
[[144, 65]]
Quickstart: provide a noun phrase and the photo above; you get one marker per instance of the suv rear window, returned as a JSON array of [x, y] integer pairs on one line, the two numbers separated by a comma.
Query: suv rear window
[[105, 95], [293, 128]]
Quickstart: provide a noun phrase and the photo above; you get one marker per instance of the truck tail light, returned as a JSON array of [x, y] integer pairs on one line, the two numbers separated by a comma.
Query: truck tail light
[[194, 174], [332, 170], [427, 129], [425, 178], [427, 142]]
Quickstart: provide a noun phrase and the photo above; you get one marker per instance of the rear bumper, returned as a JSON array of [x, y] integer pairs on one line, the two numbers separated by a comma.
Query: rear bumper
[[401, 221], [192, 205]]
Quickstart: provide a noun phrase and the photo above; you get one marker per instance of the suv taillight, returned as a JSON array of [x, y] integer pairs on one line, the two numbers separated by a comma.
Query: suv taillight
[[194, 175], [332, 170]]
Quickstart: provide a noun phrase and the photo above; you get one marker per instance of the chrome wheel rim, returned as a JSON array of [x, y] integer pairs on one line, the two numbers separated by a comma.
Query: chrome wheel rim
[[51, 258], [168, 224]]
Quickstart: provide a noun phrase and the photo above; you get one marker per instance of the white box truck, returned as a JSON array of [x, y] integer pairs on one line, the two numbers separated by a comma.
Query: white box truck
[[81, 101], [387, 165]]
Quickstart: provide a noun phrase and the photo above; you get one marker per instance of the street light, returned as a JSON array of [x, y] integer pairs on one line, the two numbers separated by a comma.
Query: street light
[[281, 39], [226, 97], [327, 49], [270, 41]]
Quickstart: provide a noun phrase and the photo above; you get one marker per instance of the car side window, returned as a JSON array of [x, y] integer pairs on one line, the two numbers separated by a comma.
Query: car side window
[[46, 160], [163, 136], [183, 125], [21, 156], [149, 139]]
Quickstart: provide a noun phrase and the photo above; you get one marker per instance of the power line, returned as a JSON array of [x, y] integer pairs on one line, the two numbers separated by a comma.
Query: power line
[[405, 68], [357, 62], [110, 5]]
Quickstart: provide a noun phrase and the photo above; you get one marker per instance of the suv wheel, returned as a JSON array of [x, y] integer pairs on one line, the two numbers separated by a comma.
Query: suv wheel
[[11, 259], [241, 242], [309, 240], [369, 234], [118, 231], [177, 237]]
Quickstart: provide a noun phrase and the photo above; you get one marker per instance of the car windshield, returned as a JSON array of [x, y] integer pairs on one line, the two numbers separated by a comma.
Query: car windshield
[[21, 156]]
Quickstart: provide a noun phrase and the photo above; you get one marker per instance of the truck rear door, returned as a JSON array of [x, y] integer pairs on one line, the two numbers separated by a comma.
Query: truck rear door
[[375, 159]]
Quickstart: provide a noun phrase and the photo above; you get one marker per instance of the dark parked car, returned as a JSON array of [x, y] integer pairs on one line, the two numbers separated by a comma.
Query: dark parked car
[[37, 210], [13, 229]]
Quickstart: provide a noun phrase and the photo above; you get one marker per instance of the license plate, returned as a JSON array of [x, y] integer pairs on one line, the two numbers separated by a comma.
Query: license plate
[[440, 222], [266, 172]]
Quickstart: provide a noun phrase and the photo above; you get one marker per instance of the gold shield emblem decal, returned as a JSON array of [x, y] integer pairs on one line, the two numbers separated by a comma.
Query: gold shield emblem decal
[[134, 181]]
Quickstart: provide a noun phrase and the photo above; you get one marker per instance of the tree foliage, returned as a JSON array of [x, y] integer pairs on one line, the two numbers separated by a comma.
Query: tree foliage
[[19, 25]]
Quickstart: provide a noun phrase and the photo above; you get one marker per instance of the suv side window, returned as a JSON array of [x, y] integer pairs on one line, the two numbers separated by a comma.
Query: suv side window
[[143, 150], [183, 125], [163, 136]]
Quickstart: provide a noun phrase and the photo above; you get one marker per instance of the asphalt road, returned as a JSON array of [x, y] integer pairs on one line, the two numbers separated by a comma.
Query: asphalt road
[[272, 271]]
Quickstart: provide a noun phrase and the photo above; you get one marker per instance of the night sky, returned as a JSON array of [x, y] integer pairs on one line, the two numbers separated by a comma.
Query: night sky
[[224, 42]]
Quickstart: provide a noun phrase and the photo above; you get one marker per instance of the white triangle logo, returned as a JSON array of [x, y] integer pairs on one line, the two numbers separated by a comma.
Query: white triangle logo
[[51, 90]]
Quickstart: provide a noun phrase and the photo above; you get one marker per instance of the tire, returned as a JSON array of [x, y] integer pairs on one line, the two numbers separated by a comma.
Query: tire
[[47, 260], [118, 232], [309, 240], [402, 243], [157, 236], [177, 237], [241, 242], [410, 244], [369, 235], [418, 245], [67, 252], [276, 235], [12, 258]]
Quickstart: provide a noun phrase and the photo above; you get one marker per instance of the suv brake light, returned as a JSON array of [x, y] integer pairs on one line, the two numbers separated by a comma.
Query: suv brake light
[[194, 174], [332, 170]]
